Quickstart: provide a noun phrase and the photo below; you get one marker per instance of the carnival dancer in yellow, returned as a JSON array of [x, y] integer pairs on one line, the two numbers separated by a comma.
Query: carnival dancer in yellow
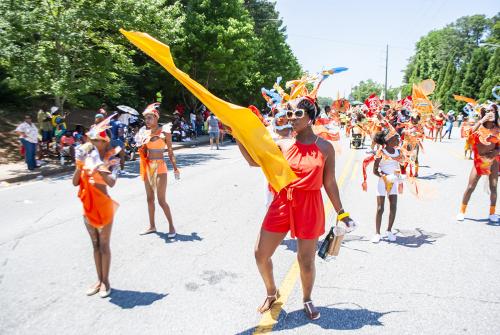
[[96, 169], [153, 141]]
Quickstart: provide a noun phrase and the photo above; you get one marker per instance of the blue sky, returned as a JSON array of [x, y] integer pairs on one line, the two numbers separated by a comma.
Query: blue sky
[[331, 33]]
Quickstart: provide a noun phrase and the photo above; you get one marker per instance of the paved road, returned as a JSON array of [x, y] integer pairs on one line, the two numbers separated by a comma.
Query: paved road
[[439, 277]]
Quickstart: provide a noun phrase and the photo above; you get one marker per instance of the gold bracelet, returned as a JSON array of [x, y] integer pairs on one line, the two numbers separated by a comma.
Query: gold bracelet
[[343, 216]]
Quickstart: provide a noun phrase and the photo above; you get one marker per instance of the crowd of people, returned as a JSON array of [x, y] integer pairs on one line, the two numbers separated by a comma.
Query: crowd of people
[[50, 136], [307, 138]]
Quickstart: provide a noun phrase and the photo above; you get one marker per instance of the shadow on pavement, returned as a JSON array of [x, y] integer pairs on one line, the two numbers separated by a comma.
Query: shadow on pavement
[[416, 238], [291, 244], [487, 221], [331, 318], [130, 299], [180, 237], [437, 175]]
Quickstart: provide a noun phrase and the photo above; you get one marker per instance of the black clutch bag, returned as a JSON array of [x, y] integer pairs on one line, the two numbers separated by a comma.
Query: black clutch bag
[[325, 245]]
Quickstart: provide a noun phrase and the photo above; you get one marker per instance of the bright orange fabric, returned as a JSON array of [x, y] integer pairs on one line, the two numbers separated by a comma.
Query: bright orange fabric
[[98, 207], [299, 207], [246, 126]]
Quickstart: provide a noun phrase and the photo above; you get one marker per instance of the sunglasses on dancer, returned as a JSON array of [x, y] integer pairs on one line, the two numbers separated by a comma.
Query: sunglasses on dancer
[[297, 113]]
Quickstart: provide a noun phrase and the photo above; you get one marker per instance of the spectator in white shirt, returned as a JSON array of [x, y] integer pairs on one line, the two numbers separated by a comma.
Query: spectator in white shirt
[[28, 134]]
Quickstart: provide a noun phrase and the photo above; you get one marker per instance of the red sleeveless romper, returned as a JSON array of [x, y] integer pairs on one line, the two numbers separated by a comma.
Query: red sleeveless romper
[[299, 206]]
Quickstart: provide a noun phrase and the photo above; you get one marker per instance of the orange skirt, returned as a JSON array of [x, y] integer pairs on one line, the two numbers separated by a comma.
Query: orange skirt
[[98, 208]]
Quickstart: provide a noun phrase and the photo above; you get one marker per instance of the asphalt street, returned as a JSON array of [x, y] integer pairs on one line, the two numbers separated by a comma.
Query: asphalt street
[[439, 277]]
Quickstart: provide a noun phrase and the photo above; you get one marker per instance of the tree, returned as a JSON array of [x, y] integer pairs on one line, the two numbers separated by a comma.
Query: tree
[[475, 73], [273, 54], [491, 77], [366, 88]]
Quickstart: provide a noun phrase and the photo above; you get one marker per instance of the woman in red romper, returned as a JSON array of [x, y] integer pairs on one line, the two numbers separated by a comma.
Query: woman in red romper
[[298, 208]]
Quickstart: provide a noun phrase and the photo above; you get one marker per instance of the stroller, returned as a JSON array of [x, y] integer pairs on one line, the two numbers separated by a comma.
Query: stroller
[[357, 139]]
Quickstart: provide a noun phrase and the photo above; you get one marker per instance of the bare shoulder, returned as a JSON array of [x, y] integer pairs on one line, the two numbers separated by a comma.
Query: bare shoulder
[[325, 147]]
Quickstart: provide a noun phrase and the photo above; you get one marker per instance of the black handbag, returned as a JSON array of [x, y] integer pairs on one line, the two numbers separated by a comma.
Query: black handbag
[[325, 245]]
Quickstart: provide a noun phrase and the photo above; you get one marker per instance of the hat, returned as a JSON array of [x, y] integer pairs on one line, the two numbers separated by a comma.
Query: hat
[[53, 109], [153, 109]]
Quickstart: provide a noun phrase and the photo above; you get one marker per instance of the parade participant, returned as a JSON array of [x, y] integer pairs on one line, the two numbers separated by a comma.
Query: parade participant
[[466, 132], [413, 136], [386, 166], [96, 169], [430, 125], [485, 145], [152, 141], [299, 207], [438, 126]]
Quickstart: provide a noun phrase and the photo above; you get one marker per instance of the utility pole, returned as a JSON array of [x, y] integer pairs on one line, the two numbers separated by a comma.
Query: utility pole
[[386, 65]]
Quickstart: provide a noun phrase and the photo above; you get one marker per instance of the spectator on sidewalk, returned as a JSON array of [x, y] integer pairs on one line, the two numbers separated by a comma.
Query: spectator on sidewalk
[[28, 134], [118, 139], [47, 132], [192, 118], [213, 131], [66, 147]]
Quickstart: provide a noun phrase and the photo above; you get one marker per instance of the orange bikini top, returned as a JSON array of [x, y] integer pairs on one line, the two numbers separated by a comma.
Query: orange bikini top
[[92, 173]]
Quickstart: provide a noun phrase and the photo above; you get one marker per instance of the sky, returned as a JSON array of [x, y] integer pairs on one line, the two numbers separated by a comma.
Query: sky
[[354, 34]]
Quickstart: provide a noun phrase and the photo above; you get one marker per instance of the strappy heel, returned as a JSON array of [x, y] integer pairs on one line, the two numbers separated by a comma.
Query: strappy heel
[[311, 311], [270, 301]]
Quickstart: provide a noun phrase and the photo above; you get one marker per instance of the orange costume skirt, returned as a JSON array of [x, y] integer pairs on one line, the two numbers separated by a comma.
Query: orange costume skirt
[[98, 207]]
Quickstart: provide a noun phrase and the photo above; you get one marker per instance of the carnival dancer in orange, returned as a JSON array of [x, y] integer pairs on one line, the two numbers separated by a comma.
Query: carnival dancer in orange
[[299, 207], [438, 126], [153, 140], [96, 169], [413, 136], [466, 132], [484, 138]]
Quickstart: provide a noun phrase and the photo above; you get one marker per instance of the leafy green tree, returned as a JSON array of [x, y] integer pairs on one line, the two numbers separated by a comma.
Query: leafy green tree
[[366, 88], [475, 74], [491, 77]]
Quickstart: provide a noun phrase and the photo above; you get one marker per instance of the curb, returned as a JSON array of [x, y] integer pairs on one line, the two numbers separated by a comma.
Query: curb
[[63, 169]]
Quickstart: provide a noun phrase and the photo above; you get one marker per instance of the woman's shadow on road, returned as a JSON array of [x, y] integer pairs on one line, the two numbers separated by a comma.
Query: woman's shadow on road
[[130, 299], [331, 319]]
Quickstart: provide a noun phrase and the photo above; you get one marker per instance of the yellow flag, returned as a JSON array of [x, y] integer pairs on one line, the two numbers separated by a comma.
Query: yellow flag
[[246, 126]]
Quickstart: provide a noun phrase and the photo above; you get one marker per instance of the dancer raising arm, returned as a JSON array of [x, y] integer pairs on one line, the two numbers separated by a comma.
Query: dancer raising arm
[[299, 207]]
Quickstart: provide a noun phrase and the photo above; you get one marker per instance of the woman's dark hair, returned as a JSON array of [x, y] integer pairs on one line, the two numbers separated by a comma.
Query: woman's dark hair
[[415, 118], [311, 108], [495, 108], [380, 137]]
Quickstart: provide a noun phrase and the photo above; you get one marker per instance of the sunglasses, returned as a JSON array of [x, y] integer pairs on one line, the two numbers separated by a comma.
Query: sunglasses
[[297, 113]]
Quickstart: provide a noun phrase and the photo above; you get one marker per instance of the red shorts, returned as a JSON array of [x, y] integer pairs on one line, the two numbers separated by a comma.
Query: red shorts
[[299, 211]]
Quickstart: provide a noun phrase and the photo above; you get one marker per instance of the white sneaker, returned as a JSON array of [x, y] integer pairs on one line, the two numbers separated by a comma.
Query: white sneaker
[[390, 236], [460, 216], [494, 218], [375, 238]]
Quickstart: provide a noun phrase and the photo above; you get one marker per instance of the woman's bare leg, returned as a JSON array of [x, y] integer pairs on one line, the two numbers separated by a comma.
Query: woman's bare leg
[[380, 211], [161, 194], [105, 251], [150, 197], [94, 237], [471, 186], [266, 245], [393, 205], [305, 255], [493, 181]]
